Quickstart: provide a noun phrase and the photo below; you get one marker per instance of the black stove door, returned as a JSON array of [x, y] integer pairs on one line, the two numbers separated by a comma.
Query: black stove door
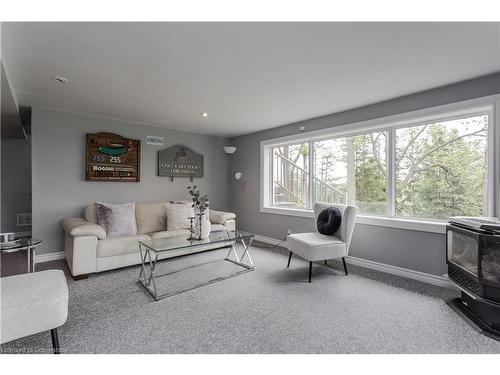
[[463, 248]]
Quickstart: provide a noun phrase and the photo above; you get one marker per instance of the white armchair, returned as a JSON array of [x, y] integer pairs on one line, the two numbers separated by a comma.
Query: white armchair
[[314, 246]]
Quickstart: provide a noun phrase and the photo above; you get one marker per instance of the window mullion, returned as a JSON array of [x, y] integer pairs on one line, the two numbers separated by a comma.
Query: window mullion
[[311, 175], [493, 146], [391, 172], [271, 175]]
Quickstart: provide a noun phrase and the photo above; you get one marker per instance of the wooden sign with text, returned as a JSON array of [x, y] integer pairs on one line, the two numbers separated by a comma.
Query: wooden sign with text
[[110, 157]]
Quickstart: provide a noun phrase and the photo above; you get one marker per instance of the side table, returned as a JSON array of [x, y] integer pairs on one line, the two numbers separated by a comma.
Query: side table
[[23, 244]]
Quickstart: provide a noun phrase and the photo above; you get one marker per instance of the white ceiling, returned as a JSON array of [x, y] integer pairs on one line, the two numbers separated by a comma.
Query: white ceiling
[[247, 76]]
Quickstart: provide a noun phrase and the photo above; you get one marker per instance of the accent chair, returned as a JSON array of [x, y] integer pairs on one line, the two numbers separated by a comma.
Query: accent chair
[[314, 246]]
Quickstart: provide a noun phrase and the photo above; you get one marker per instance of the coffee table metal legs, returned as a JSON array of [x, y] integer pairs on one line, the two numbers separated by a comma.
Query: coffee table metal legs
[[33, 259], [30, 254], [147, 275], [239, 261], [147, 278]]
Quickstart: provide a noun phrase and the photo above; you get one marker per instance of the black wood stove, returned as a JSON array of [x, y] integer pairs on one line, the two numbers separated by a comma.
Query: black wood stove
[[473, 258]]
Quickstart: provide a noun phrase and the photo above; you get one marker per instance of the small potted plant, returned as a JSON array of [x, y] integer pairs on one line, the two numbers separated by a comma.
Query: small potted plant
[[200, 205]]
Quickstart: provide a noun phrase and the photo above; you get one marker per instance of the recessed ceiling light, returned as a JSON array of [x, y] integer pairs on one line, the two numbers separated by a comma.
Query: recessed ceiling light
[[204, 114], [59, 79]]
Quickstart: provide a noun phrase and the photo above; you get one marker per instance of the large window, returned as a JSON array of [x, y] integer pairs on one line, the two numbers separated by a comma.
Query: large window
[[424, 170], [441, 169], [352, 170]]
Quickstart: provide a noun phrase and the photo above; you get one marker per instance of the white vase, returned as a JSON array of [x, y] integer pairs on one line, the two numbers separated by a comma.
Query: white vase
[[203, 225]]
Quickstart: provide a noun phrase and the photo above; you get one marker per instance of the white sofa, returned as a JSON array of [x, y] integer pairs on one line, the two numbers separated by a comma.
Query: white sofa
[[88, 249]]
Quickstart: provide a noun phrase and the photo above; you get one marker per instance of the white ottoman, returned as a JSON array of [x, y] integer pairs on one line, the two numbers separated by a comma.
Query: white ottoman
[[32, 303]]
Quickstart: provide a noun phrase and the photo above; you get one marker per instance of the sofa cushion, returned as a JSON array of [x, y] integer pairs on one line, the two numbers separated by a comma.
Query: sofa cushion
[[314, 246], [230, 225], [151, 217], [220, 217], [119, 245], [177, 215], [217, 227], [170, 234], [117, 219]]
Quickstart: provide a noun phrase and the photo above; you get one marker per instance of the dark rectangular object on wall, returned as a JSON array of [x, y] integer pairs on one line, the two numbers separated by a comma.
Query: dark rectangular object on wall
[[111, 157], [180, 161]]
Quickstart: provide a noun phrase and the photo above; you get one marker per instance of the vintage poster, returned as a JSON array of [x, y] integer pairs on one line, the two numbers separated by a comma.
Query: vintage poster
[[110, 157]]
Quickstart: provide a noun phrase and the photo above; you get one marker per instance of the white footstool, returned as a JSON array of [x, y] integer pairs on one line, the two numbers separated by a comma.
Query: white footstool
[[32, 303]]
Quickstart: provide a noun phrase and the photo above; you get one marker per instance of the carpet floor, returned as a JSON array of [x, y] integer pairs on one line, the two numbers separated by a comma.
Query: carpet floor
[[269, 310]]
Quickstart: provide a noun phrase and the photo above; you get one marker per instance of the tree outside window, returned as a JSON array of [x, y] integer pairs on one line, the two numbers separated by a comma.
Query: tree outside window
[[355, 170], [441, 169], [291, 176]]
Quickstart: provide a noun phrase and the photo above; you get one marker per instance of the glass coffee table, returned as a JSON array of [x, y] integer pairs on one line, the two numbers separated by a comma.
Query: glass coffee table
[[152, 250]]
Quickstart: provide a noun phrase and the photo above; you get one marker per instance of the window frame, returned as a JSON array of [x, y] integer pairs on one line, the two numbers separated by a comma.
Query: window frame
[[489, 105], [310, 172]]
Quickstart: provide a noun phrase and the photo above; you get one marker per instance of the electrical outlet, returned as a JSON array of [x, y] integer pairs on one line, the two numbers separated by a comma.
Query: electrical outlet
[[289, 231]]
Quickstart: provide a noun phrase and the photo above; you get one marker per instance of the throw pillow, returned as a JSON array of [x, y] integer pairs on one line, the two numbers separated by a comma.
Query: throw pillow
[[151, 217], [177, 215], [328, 221], [117, 219]]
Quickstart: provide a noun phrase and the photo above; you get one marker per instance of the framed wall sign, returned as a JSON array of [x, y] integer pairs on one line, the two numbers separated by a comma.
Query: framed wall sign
[[110, 157], [179, 161]]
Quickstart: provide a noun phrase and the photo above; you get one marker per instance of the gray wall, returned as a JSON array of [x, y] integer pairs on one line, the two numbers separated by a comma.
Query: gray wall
[[16, 182], [58, 170], [420, 251]]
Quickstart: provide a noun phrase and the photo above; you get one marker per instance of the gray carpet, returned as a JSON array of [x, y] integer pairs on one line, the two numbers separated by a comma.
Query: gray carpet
[[269, 310]]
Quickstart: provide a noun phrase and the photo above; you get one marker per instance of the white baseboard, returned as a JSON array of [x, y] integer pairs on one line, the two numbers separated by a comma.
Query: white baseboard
[[399, 271], [270, 241], [41, 258], [382, 267]]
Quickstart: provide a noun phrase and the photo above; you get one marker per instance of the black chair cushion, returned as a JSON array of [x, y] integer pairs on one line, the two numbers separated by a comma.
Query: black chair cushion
[[328, 221]]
